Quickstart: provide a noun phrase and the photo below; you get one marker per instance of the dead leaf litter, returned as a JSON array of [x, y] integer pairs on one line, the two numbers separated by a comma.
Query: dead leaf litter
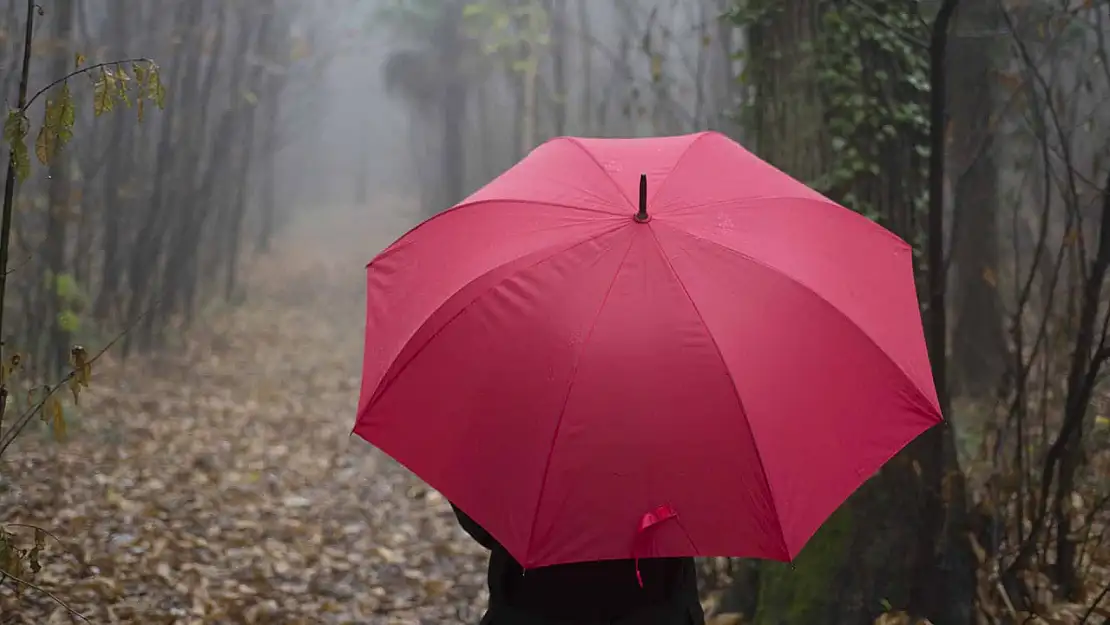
[[217, 482]]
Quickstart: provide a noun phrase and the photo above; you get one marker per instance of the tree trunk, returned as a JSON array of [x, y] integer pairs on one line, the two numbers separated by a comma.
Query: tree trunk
[[723, 85], [557, 12], [490, 160], [528, 106], [867, 555], [944, 582], [116, 198], [58, 208], [586, 44], [192, 148], [516, 86], [979, 349], [186, 255], [267, 184], [452, 107], [143, 267], [264, 45]]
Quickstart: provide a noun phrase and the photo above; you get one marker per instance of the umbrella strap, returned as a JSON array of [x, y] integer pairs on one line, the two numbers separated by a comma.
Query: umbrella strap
[[651, 519]]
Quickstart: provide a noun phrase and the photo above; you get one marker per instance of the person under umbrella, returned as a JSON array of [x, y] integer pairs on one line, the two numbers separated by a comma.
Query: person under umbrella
[[612, 378], [584, 593]]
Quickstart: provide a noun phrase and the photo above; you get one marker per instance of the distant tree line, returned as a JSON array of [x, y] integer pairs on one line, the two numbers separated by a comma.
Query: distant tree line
[[146, 212]]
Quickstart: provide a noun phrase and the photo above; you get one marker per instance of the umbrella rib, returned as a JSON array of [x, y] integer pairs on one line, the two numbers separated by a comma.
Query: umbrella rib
[[745, 203], [632, 204], [678, 161], [735, 392], [604, 172], [566, 399], [742, 203], [851, 322], [394, 371], [494, 200], [404, 240], [731, 203]]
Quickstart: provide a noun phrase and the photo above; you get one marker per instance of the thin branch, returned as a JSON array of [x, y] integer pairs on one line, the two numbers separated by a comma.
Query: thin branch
[[21, 422], [83, 70], [1094, 605], [1053, 114], [46, 592], [12, 270], [66, 548], [1081, 378]]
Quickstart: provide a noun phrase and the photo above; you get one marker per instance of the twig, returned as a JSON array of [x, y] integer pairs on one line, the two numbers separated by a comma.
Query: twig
[[66, 548], [396, 608], [46, 592], [1094, 605], [12, 270], [78, 72], [1054, 116], [16, 428], [1005, 598]]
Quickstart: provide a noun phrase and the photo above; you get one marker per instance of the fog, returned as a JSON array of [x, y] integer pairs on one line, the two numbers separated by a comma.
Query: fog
[[621, 83], [355, 134]]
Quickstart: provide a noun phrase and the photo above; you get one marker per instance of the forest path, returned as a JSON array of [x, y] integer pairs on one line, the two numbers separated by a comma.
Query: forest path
[[218, 483]]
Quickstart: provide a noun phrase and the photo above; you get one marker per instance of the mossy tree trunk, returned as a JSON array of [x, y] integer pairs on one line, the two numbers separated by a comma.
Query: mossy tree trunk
[[840, 104], [786, 114]]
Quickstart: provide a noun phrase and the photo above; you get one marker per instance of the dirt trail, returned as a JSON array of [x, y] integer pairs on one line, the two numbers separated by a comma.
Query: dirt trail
[[217, 483]]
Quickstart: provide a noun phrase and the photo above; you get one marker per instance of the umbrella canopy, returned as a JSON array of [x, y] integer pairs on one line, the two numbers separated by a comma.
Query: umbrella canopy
[[645, 348]]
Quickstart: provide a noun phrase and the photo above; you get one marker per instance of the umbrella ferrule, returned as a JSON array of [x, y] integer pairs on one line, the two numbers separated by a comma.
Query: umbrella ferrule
[[642, 214]]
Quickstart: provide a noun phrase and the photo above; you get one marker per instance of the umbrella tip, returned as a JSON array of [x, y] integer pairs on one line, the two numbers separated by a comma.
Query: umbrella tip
[[642, 215]]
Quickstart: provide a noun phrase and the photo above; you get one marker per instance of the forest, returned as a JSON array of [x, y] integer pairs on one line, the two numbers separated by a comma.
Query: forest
[[194, 187]]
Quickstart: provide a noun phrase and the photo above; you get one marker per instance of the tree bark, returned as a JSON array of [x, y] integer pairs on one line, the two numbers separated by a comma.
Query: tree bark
[[558, 17], [979, 350], [143, 266], [586, 45], [59, 206], [452, 106], [117, 192]]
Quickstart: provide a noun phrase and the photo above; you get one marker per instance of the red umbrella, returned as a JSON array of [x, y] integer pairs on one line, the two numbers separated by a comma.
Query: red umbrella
[[595, 364]]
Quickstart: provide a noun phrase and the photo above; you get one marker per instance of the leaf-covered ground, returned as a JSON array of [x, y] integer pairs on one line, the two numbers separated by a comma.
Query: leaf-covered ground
[[218, 483]]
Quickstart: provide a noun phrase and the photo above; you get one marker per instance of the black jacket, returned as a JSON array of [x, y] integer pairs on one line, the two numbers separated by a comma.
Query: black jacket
[[588, 593]]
